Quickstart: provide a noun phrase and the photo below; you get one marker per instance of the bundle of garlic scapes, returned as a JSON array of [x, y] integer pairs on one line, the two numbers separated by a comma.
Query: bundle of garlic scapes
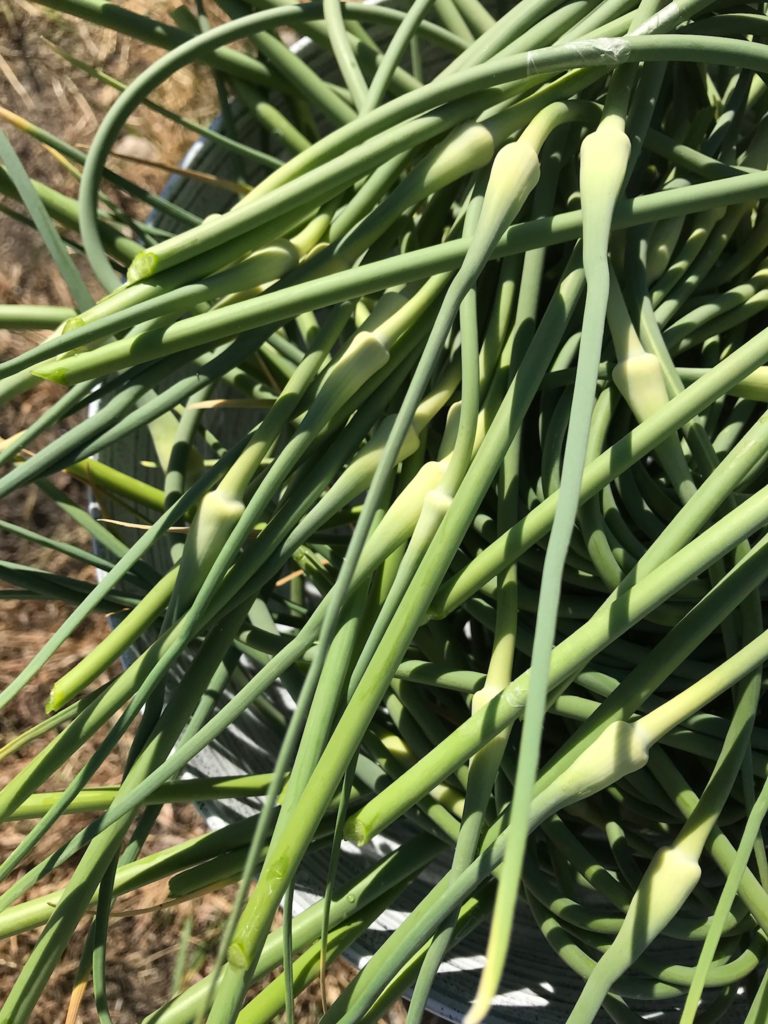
[[496, 519]]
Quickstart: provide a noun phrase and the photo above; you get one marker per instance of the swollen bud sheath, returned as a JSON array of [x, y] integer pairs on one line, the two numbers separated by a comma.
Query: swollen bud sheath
[[402, 516], [514, 175], [604, 157], [364, 356], [216, 517], [620, 749], [667, 883], [603, 162], [465, 150], [641, 382]]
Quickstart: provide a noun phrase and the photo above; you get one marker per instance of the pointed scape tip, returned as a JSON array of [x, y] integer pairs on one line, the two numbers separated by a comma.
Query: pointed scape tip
[[144, 265], [52, 370]]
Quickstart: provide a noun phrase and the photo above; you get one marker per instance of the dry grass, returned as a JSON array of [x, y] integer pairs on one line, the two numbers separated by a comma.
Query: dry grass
[[41, 86]]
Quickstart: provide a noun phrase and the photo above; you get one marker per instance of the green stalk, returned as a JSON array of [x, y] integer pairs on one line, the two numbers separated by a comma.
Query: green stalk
[[99, 798], [604, 160], [613, 618], [501, 202]]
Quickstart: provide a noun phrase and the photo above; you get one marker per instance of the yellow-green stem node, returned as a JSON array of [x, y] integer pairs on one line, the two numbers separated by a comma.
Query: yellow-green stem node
[[640, 380]]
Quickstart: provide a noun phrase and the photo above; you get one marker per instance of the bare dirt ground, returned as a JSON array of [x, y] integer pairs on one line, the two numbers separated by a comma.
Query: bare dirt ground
[[146, 957]]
